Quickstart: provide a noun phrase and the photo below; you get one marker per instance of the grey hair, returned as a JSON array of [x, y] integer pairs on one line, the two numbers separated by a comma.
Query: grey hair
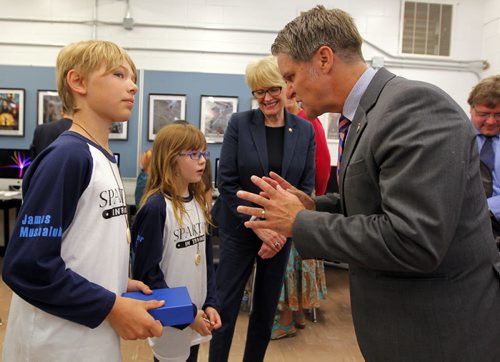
[[317, 27]]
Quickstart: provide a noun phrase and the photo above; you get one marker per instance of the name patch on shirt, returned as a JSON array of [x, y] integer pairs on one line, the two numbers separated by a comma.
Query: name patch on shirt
[[38, 225]]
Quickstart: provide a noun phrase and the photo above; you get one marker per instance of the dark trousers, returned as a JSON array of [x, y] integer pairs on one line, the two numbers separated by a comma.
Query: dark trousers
[[193, 354], [237, 257]]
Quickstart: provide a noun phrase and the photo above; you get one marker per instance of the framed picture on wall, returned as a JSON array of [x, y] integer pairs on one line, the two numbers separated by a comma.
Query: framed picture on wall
[[215, 114], [119, 131], [11, 112], [165, 109], [330, 122], [49, 106]]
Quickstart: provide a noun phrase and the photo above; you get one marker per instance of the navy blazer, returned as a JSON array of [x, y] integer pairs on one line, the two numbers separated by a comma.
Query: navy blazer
[[244, 153]]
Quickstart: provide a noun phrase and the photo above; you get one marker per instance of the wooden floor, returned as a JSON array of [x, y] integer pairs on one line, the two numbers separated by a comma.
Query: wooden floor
[[331, 338]]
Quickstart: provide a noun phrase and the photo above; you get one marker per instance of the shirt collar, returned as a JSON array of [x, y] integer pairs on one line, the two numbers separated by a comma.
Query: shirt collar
[[352, 102]]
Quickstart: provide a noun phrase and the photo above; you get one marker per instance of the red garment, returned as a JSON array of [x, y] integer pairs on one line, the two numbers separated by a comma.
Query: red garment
[[322, 155]]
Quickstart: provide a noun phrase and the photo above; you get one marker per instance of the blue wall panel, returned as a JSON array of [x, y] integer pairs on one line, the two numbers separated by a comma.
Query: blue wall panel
[[192, 84]]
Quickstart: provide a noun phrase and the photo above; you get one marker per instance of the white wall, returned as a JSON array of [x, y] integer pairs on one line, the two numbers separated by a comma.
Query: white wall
[[491, 36], [222, 36]]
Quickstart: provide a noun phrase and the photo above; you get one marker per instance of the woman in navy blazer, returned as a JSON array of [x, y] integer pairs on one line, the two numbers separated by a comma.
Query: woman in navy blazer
[[255, 143]]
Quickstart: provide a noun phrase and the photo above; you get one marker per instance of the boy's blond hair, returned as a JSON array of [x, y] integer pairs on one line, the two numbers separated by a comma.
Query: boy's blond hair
[[86, 57]]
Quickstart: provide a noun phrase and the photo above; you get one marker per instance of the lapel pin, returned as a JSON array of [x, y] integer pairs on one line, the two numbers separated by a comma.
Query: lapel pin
[[290, 130], [357, 129]]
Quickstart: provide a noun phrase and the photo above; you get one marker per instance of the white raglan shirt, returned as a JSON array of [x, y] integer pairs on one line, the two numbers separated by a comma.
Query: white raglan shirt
[[94, 252]]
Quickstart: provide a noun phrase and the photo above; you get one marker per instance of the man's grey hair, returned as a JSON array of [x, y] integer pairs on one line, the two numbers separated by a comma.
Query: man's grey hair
[[317, 27]]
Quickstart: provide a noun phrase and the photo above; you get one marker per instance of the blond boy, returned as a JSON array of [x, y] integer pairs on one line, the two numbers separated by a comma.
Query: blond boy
[[68, 257]]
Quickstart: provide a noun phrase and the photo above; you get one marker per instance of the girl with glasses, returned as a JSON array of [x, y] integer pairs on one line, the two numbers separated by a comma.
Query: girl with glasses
[[171, 248]]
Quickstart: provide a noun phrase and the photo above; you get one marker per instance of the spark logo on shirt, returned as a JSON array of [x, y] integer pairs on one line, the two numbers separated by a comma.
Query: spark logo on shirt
[[38, 225], [189, 235], [113, 203]]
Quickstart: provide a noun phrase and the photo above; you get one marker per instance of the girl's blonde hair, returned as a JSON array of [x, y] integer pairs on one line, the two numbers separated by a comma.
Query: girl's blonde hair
[[169, 142]]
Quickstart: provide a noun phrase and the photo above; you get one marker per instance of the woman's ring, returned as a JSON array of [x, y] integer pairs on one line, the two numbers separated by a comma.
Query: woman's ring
[[277, 245], [263, 214]]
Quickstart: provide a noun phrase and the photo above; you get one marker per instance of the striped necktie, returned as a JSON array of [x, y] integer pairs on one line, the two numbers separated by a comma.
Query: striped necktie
[[344, 124]]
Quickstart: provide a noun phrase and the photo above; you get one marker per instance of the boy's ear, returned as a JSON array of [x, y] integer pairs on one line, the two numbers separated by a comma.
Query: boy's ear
[[76, 82]]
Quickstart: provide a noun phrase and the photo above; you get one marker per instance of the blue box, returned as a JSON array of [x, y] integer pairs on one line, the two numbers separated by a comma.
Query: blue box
[[178, 308]]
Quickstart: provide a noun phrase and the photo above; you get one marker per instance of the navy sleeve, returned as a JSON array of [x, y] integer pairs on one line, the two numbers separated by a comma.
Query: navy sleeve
[[33, 266], [211, 300], [229, 172], [147, 234]]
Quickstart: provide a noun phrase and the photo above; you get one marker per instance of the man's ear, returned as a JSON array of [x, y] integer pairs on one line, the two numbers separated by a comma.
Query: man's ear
[[325, 58], [76, 82]]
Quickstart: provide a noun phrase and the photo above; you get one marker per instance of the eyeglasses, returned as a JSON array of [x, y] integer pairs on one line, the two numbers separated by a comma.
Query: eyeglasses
[[486, 115], [261, 93], [195, 155]]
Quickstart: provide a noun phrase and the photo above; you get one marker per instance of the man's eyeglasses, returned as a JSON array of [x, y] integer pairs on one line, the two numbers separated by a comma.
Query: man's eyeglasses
[[486, 115], [261, 93], [195, 155]]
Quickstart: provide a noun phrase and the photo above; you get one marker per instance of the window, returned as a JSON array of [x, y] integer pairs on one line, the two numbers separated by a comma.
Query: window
[[426, 28]]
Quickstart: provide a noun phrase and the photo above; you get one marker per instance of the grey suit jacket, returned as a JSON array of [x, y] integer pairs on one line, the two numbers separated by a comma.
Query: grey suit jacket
[[412, 222]]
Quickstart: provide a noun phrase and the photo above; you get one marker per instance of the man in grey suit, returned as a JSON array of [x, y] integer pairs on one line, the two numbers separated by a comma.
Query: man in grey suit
[[411, 218]]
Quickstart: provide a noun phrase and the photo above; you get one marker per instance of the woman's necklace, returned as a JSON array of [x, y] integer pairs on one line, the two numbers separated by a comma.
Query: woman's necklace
[[127, 233]]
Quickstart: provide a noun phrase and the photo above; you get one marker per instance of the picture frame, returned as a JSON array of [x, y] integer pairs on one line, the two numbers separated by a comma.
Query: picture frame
[[330, 122], [12, 112], [215, 113], [49, 106], [119, 131], [164, 109]]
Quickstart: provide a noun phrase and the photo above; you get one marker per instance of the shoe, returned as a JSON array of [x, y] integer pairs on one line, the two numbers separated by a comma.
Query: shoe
[[280, 331], [299, 319]]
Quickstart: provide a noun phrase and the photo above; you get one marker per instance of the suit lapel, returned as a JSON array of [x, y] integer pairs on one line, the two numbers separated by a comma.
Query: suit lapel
[[368, 100], [258, 132], [290, 140]]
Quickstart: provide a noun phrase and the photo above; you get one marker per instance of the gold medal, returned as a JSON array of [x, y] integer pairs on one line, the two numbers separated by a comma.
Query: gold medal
[[129, 236], [197, 259]]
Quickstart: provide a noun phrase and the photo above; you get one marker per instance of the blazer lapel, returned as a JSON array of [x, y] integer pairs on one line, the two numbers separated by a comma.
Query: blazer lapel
[[368, 100], [290, 140], [258, 132]]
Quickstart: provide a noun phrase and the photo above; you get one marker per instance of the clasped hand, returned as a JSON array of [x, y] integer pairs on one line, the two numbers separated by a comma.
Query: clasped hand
[[272, 242], [280, 203]]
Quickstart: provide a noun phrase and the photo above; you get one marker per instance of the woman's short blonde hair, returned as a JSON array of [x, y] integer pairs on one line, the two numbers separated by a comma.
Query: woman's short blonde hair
[[86, 57], [264, 73]]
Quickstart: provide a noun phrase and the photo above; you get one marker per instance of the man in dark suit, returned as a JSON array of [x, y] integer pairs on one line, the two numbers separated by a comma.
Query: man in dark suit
[[411, 219], [484, 101], [46, 133]]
